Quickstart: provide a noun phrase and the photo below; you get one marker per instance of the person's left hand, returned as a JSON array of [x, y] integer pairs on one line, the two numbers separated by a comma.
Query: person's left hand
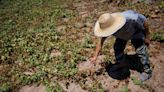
[[147, 42]]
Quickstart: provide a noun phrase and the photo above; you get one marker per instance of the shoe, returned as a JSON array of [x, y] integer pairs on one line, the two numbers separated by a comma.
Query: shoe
[[145, 76]]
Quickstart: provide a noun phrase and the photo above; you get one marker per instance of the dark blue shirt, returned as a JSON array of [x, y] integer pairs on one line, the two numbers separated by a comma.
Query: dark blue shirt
[[133, 28]]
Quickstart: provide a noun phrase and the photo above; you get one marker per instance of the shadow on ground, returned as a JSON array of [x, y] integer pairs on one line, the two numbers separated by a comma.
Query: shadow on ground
[[121, 73]]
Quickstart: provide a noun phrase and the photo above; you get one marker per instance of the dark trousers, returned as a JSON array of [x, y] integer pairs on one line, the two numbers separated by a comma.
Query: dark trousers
[[141, 51]]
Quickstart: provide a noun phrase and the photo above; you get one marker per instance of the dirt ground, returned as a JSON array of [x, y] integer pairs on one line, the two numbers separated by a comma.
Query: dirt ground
[[93, 8], [155, 84]]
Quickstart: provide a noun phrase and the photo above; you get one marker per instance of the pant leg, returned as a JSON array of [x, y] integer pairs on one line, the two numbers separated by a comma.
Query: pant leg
[[141, 51], [119, 47]]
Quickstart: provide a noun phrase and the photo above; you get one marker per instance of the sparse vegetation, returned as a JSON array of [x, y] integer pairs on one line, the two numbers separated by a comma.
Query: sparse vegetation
[[27, 36], [6, 87], [158, 36], [29, 33], [125, 89], [87, 42], [97, 87], [53, 86], [136, 81]]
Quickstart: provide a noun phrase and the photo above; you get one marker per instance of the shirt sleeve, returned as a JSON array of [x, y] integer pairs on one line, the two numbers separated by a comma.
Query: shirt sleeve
[[130, 14]]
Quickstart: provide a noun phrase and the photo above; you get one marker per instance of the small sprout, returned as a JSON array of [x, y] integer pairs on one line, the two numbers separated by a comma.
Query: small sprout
[[125, 89], [136, 81]]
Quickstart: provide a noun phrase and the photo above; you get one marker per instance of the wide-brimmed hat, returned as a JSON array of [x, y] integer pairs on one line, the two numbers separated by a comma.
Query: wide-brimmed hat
[[108, 24]]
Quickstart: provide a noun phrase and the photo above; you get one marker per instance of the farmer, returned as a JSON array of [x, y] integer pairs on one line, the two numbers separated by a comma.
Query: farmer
[[124, 26]]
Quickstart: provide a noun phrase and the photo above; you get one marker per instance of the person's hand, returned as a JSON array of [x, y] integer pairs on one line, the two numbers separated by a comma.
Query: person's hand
[[93, 59], [147, 42]]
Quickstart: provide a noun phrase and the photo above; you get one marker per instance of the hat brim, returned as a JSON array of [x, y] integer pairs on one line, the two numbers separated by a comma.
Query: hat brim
[[118, 23]]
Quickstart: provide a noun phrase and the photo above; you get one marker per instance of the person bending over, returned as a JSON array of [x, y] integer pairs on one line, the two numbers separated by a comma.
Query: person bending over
[[124, 26]]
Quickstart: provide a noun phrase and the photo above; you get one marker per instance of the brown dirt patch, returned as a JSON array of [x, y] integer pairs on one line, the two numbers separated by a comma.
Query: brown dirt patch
[[33, 88]]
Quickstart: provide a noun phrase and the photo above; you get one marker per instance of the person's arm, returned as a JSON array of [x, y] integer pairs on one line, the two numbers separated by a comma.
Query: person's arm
[[98, 48], [147, 33]]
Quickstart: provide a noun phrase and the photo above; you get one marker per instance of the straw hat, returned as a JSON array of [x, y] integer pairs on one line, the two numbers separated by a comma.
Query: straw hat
[[108, 24]]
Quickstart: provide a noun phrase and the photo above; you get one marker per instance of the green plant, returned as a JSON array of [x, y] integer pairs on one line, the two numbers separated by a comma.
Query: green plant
[[161, 5], [5, 87], [53, 86], [136, 81], [157, 36], [87, 42], [28, 35], [125, 89]]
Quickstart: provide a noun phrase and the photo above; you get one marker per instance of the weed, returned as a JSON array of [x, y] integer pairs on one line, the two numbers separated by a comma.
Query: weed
[[125, 89], [5, 87], [157, 36], [53, 86], [87, 42], [136, 81], [161, 5]]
